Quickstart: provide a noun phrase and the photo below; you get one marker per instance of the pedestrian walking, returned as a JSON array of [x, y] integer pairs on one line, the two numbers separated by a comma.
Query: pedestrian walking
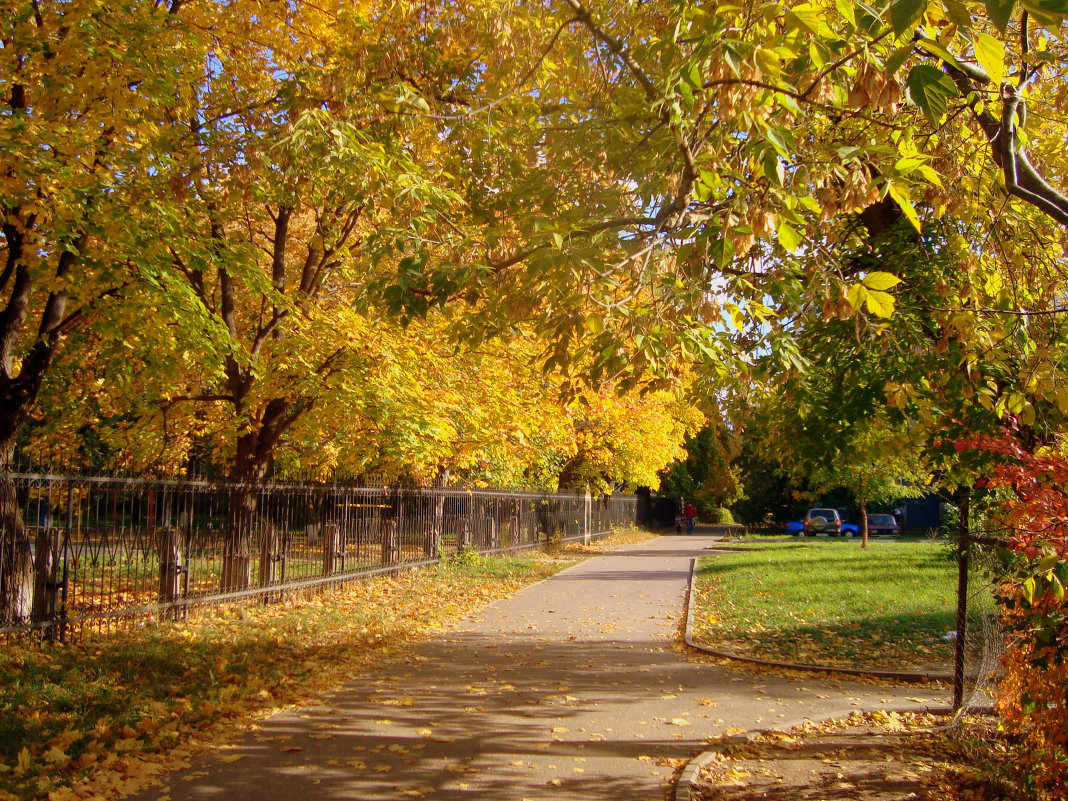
[[690, 513]]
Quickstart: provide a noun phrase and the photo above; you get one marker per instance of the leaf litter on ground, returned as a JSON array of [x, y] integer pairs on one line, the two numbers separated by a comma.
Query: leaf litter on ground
[[101, 717], [877, 756]]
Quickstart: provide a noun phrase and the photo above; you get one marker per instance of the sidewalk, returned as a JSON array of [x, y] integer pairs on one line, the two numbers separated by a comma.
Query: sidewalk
[[573, 688]]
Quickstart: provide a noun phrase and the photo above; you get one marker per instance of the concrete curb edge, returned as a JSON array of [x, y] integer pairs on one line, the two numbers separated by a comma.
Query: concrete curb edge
[[688, 777]]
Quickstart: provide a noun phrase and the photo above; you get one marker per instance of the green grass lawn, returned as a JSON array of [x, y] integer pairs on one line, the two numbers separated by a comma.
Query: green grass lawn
[[830, 602]]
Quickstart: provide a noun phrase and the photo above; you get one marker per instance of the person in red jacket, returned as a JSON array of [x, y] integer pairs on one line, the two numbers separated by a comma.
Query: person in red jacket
[[690, 513]]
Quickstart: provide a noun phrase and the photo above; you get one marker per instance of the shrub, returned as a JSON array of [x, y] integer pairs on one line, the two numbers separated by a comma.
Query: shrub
[[721, 517], [1031, 594]]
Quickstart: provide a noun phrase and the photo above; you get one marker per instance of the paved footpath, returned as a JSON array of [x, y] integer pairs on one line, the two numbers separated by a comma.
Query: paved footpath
[[574, 688]]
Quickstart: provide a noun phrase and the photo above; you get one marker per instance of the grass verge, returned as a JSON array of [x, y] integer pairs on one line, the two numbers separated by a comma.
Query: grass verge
[[830, 602], [99, 718]]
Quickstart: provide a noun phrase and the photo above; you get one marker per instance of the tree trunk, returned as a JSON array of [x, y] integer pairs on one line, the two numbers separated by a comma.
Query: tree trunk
[[18, 391], [863, 504], [249, 468], [252, 460], [16, 556], [171, 566], [237, 549], [437, 531]]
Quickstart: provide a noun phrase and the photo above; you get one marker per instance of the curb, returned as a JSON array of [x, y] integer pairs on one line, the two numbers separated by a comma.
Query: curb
[[688, 777], [685, 783], [893, 675]]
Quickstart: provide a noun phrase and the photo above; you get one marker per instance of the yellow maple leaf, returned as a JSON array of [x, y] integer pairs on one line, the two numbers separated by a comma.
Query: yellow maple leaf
[[23, 763], [56, 756]]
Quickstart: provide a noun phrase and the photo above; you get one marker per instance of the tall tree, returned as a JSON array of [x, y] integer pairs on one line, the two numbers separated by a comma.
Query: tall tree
[[666, 152], [299, 177], [87, 89], [707, 474]]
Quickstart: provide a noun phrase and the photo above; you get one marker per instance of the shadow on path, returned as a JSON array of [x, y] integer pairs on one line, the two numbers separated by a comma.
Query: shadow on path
[[573, 688]]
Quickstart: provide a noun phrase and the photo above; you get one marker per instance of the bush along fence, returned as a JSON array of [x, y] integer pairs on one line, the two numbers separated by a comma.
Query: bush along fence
[[95, 552]]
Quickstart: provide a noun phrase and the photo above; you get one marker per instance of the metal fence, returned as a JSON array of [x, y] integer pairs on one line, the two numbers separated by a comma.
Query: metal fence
[[100, 552]]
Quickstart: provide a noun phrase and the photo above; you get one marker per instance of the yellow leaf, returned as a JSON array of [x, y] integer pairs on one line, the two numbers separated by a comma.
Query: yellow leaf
[[881, 304], [900, 194], [990, 53], [881, 281], [56, 756], [856, 296], [769, 62], [23, 763]]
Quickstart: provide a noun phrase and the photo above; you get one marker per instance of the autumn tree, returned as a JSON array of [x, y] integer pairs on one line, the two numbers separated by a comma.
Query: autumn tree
[[228, 169], [671, 154], [707, 473], [87, 90]]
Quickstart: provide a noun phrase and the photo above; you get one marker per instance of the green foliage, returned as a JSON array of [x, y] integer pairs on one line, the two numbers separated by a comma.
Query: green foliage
[[707, 476], [931, 90], [769, 496], [467, 558], [719, 517]]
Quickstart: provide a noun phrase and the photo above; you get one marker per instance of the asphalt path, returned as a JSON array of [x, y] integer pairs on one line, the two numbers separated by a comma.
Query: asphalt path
[[574, 688]]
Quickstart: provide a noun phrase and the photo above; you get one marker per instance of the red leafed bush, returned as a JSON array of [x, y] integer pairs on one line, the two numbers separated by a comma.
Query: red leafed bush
[[1033, 698]]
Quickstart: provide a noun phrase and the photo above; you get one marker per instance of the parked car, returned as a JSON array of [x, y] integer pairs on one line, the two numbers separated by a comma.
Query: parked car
[[850, 529], [883, 524], [823, 521], [795, 527]]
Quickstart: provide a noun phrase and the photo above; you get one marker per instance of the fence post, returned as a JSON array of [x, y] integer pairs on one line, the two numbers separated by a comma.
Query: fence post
[[431, 542], [962, 599], [587, 517], [390, 541], [170, 569], [331, 548], [270, 554], [45, 578]]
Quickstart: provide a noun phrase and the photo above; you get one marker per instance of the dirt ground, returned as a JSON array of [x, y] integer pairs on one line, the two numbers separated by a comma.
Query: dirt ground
[[880, 756]]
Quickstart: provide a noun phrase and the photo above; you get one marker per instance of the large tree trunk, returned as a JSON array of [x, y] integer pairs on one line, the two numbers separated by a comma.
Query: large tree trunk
[[247, 472], [252, 460], [18, 392], [16, 557], [437, 532], [237, 548]]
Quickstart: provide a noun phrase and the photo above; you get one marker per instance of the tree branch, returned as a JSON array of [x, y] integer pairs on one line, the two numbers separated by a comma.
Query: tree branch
[[1022, 180], [669, 214]]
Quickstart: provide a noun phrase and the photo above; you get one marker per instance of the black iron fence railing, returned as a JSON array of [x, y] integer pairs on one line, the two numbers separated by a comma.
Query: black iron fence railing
[[97, 552]]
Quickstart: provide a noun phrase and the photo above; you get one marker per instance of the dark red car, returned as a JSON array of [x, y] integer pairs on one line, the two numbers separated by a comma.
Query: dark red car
[[883, 524]]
